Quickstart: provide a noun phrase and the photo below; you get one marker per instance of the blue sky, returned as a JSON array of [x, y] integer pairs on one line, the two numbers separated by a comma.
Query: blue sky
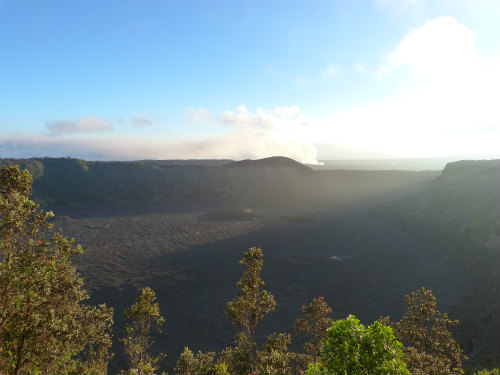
[[311, 80]]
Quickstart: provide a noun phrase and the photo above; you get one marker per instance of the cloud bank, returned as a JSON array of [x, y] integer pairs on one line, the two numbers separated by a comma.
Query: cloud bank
[[263, 133], [90, 124], [281, 131], [448, 104]]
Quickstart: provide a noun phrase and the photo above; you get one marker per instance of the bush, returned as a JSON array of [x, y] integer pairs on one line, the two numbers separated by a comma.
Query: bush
[[351, 348]]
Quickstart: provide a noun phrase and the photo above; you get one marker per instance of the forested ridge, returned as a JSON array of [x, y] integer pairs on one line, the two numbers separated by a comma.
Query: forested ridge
[[66, 181]]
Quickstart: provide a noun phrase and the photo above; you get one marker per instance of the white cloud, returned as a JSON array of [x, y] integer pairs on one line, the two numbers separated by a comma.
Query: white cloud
[[330, 71], [91, 124], [280, 131], [448, 105], [426, 123], [197, 115], [142, 120], [440, 48], [139, 121]]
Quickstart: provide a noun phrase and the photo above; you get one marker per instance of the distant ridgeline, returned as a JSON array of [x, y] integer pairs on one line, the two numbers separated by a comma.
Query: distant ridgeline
[[465, 199], [65, 181]]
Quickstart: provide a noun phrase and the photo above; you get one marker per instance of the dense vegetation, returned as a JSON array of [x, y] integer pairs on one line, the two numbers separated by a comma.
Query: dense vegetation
[[45, 327], [43, 295], [65, 181]]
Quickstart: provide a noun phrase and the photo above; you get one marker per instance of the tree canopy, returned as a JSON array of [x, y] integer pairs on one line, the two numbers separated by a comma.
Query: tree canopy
[[45, 328], [351, 348]]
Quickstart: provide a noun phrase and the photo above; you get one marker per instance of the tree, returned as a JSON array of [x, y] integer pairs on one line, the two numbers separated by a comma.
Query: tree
[[141, 316], [431, 349], [495, 371], [351, 348], [251, 303], [95, 355], [236, 358], [315, 322], [190, 364], [44, 326], [274, 358]]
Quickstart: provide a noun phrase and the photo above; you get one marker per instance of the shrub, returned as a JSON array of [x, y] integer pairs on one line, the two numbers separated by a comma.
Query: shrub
[[351, 348]]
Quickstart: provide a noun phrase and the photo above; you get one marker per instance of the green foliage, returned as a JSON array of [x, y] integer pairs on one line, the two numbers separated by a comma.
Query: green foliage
[[202, 363], [431, 348], [495, 371], [33, 166], [44, 326], [141, 316], [221, 369], [237, 358], [315, 321], [46, 329], [95, 356], [351, 348], [251, 304], [186, 364], [299, 362], [274, 358]]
